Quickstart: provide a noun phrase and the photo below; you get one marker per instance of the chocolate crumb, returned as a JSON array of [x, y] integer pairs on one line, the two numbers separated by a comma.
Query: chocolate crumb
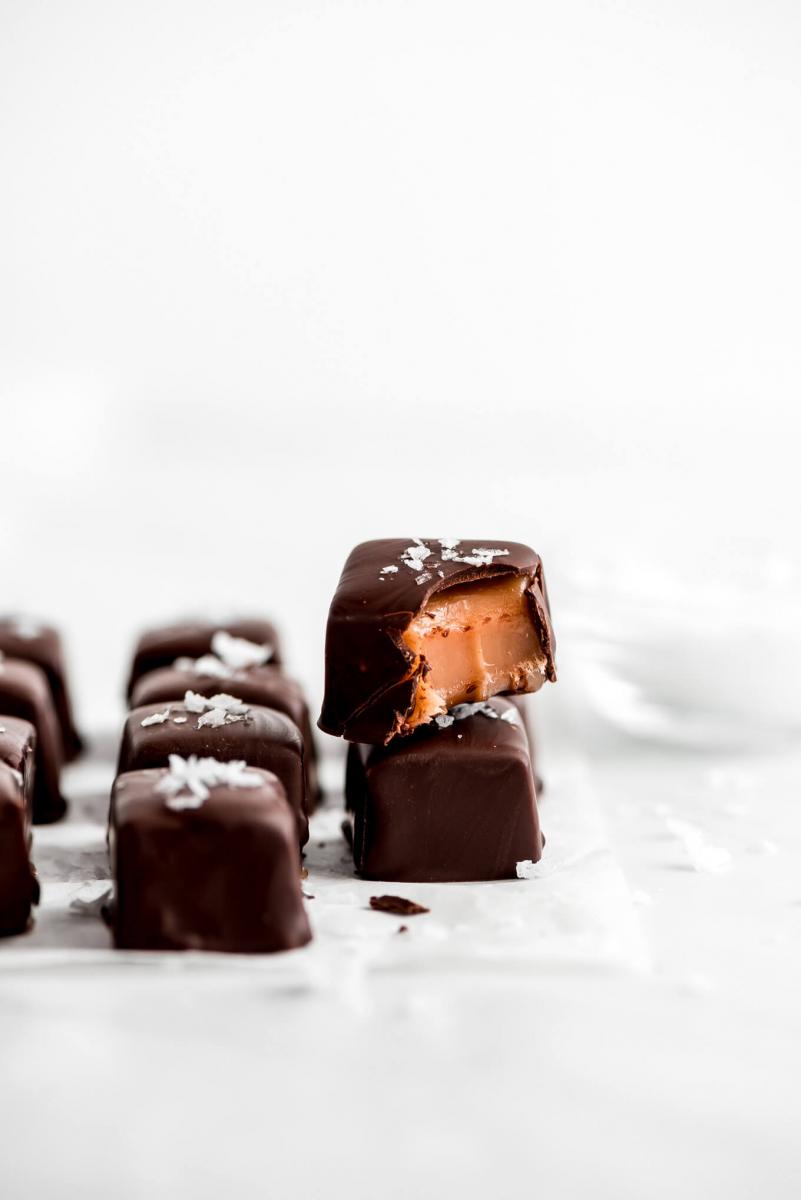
[[304, 872], [307, 895], [397, 904], [403, 929]]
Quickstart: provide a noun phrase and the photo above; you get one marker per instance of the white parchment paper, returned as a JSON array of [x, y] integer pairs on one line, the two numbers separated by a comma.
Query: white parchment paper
[[575, 911]]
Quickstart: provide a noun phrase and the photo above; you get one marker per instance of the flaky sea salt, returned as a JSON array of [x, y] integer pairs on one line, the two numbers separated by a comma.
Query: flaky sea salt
[[229, 704], [156, 718], [26, 627], [207, 664], [511, 716], [526, 869], [238, 653], [214, 718], [414, 557], [188, 781], [461, 711], [217, 710], [444, 720]]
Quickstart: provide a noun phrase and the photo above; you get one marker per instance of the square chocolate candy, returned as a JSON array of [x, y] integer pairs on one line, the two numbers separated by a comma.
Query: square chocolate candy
[[416, 627], [454, 801], [226, 730], [205, 858], [22, 637], [160, 647], [19, 888], [267, 686], [18, 751], [24, 693]]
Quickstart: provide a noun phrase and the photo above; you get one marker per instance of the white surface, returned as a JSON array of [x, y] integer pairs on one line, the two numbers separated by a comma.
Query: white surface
[[437, 1065], [287, 275]]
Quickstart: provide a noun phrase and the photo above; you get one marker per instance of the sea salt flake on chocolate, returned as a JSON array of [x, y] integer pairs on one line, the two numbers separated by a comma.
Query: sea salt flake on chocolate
[[444, 720], [214, 718], [481, 557], [390, 570], [511, 716], [195, 703], [26, 627], [469, 709], [197, 776], [207, 664], [424, 578], [180, 720], [157, 718], [414, 556], [238, 653], [229, 704]]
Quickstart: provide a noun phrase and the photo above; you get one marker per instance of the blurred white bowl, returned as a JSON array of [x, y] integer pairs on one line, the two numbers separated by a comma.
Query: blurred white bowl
[[701, 650]]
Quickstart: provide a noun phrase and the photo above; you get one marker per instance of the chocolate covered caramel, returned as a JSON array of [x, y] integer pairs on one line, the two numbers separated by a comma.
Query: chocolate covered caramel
[[416, 627]]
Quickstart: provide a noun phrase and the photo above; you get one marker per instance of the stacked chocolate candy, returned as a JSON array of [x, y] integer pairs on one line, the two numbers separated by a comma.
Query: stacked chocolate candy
[[216, 780], [425, 638], [37, 736]]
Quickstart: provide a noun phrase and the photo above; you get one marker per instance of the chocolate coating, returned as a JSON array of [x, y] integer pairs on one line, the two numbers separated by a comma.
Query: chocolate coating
[[18, 751], [267, 686], [19, 888], [369, 682], [265, 738], [523, 706], [42, 646], [446, 805], [24, 693], [191, 639], [222, 877]]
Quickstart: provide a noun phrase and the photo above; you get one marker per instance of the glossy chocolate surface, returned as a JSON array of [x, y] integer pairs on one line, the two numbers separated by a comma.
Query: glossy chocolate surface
[[446, 804], [19, 888], [160, 647], [223, 876], [264, 738], [18, 751], [267, 686], [42, 646], [24, 693], [371, 679]]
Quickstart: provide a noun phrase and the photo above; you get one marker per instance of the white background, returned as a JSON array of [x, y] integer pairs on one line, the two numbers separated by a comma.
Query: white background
[[277, 277]]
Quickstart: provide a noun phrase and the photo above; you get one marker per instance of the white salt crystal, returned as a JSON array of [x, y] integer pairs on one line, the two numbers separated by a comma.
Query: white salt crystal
[[238, 653], [156, 718]]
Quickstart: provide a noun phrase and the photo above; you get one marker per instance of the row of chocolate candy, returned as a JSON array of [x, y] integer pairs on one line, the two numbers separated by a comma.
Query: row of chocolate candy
[[37, 736], [216, 780]]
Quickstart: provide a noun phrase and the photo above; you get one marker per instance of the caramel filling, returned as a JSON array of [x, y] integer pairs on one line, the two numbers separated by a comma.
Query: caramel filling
[[474, 642]]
